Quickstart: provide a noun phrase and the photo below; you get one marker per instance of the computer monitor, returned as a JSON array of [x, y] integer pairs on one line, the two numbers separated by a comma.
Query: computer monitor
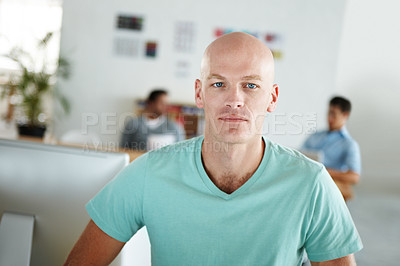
[[53, 183]]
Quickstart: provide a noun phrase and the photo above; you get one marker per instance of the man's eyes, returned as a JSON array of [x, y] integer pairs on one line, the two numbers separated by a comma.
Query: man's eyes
[[251, 85], [218, 84]]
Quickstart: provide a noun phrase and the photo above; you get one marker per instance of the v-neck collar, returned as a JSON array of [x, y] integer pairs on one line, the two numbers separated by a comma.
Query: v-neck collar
[[213, 188]]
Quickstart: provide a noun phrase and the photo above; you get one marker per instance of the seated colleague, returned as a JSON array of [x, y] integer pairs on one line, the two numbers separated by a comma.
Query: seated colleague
[[152, 129], [232, 196], [341, 154]]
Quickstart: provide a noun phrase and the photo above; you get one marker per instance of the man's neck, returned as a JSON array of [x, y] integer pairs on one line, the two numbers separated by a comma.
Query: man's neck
[[228, 165], [336, 128], [151, 115]]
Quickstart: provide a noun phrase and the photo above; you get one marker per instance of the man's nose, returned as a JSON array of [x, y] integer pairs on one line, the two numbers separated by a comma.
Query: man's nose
[[234, 98]]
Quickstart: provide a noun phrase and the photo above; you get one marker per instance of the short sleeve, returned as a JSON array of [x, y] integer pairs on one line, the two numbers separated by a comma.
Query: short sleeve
[[331, 233], [353, 158], [118, 208]]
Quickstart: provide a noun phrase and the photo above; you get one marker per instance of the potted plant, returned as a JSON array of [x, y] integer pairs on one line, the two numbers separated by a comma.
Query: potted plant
[[32, 84]]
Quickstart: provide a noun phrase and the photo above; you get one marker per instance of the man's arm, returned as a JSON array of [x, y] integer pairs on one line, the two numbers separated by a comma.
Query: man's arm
[[344, 261], [94, 247], [349, 177]]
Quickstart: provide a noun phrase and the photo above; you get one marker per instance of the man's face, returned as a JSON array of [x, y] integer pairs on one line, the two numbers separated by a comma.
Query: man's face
[[160, 105], [336, 118], [235, 91]]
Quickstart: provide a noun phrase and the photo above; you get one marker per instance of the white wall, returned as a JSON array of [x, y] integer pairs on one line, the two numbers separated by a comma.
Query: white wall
[[368, 73], [23, 23], [104, 83]]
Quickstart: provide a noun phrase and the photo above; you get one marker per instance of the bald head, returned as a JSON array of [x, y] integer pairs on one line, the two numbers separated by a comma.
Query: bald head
[[236, 88], [235, 49]]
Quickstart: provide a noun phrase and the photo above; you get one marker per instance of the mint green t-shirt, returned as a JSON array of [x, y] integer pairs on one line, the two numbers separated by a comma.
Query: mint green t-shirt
[[290, 205]]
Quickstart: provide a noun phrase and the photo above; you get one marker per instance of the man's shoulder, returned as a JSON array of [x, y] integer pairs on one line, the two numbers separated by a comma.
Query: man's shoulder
[[348, 140], [351, 145], [134, 121], [319, 133], [293, 169], [165, 159], [316, 138], [291, 158], [131, 119]]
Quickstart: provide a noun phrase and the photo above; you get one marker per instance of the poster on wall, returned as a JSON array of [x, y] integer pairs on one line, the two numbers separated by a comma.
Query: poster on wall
[[129, 22], [124, 46], [151, 49], [273, 40], [184, 46], [184, 36], [129, 41]]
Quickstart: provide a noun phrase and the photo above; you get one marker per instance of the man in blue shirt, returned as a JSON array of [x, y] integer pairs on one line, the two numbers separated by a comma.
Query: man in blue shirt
[[341, 153]]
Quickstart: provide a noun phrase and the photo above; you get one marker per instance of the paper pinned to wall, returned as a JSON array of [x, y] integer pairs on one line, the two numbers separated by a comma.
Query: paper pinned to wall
[[151, 49], [126, 46], [130, 22], [184, 36]]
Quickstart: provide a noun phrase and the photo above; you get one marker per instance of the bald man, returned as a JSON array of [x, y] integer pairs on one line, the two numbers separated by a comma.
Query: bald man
[[230, 197]]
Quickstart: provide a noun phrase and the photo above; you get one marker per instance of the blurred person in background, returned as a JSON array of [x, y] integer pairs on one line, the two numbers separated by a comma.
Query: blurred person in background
[[340, 152], [152, 129]]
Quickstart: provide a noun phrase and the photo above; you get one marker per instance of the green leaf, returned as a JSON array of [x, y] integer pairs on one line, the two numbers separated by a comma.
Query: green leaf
[[64, 68], [45, 41], [65, 104]]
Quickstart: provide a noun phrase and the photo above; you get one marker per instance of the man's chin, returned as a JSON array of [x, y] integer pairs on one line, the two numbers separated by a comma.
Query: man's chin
[[234, 137]]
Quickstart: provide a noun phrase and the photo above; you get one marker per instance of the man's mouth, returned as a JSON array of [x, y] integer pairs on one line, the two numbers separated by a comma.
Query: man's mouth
[[233, 119]]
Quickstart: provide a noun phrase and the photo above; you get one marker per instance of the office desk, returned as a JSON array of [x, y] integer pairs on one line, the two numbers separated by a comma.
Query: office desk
[[133, 154]]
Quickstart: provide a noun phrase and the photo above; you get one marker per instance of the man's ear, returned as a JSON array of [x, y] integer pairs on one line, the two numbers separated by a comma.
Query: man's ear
[[198, 94], [274, 98]]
